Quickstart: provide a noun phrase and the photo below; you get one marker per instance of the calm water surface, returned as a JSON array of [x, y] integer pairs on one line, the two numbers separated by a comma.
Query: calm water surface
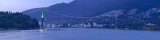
[[79, 34]]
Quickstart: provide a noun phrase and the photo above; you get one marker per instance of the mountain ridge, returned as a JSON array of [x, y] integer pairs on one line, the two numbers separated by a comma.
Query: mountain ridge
[[132, 14], [89, 8]]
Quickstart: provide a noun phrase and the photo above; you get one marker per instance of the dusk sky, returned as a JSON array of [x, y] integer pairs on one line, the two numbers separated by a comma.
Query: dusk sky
[[21, 5]]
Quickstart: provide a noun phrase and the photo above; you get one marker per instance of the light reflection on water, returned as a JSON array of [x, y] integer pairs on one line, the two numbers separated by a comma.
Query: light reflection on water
[[78, 34]]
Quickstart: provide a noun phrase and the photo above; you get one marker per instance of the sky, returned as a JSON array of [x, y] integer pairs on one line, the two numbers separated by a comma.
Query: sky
[[22, 5]]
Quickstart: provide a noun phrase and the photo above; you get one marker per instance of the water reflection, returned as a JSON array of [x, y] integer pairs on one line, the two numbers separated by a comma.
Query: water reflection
[[79, 34]]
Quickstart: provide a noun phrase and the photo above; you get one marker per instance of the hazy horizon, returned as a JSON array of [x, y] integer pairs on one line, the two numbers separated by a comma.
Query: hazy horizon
[[22, 5]]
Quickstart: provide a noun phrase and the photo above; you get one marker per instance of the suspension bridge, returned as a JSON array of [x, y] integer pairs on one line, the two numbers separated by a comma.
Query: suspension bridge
[[61, 16]]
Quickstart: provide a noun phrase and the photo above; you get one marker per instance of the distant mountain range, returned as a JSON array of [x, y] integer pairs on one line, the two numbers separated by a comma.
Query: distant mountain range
[[135, 13], [89, 8]]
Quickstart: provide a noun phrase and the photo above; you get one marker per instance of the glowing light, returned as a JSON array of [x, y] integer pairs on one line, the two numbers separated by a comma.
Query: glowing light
[[41, 30]]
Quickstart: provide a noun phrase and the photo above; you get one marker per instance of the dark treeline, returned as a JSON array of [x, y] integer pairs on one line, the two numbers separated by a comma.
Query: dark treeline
[[10, 20]]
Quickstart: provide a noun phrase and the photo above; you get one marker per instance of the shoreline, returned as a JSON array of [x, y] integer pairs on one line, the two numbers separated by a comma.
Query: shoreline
[[86, 28]]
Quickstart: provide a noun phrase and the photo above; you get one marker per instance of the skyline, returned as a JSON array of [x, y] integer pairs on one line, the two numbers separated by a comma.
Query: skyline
[[22, 5]]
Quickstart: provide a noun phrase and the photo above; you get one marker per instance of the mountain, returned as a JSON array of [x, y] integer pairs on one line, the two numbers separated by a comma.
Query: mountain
[[132, 14], [89, 8]]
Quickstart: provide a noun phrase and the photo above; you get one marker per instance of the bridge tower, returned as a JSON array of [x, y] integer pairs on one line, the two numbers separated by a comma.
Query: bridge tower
[[116, 22], [42, 18]]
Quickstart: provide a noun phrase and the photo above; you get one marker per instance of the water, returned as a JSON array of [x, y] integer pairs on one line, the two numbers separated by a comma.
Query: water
[[79, 34]]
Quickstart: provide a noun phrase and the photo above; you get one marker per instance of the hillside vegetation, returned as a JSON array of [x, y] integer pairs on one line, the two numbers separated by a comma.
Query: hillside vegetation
[[9, 20]]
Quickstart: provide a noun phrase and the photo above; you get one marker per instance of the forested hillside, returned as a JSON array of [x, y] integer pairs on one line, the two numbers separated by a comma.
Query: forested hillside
[[9, 20]]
